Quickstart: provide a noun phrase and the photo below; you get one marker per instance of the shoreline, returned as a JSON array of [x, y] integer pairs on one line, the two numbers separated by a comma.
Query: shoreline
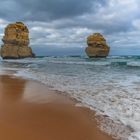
[[31, 111]]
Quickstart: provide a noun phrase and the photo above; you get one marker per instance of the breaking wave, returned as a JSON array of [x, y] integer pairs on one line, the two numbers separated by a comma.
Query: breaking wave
[[110, 86]]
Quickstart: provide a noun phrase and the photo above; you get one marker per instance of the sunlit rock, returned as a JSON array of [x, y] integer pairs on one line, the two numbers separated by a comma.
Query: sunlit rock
[[97, 46], [16, 42]]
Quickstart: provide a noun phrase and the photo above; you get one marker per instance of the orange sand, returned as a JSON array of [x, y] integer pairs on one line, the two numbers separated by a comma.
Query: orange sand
[[30, 111]]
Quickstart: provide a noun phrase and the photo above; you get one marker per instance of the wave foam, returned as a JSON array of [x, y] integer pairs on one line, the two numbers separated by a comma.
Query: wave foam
[[110, 91], [119, 101]]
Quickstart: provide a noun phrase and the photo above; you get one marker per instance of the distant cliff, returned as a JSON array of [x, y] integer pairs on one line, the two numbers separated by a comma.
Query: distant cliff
[[97, 46], [16, 41]]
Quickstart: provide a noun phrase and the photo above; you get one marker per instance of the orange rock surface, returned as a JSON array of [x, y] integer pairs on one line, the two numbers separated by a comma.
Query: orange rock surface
[[97, 46], [16, 42]]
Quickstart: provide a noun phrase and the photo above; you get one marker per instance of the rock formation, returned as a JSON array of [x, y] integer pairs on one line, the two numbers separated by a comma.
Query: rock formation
[[16, 41], [97, 46]]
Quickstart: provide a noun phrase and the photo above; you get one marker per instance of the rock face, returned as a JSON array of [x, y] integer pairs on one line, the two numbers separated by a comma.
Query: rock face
[[16, 41], [97, 46]]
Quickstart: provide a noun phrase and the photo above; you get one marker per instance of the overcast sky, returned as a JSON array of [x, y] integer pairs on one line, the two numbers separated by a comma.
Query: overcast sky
[[60, 25]]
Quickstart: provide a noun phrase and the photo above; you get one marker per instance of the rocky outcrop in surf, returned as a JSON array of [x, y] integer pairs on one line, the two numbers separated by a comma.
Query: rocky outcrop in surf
[[97, 46], [16, 42]]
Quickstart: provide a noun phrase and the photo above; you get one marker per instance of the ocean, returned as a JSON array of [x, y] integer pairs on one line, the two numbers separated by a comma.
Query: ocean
[[110, 86]]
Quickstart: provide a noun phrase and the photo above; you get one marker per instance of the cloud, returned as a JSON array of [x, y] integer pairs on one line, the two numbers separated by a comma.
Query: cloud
[[63, 22], [44, 10]]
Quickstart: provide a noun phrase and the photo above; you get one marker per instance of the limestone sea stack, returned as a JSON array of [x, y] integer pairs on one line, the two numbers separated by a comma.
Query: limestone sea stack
[[16, 42], [97, 46]]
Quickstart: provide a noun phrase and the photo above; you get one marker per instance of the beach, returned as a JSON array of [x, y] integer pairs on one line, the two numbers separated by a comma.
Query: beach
[[29, 110]]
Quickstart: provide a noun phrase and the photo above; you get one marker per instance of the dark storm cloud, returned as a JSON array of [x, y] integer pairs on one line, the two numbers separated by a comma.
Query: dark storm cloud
[[43, 10], [61, 22]]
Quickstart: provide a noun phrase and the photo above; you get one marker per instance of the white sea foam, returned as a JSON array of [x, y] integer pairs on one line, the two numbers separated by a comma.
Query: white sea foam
[[112, 92], [134, 63], [120, 103]]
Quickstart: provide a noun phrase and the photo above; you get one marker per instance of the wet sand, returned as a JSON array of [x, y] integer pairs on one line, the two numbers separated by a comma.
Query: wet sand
[[30, 111]]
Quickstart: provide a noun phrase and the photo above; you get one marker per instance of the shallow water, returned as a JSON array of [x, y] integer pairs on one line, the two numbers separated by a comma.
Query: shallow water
[[108, 85]]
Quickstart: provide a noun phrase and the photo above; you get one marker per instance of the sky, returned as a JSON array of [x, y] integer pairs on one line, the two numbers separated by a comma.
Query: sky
[[60, 27]]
